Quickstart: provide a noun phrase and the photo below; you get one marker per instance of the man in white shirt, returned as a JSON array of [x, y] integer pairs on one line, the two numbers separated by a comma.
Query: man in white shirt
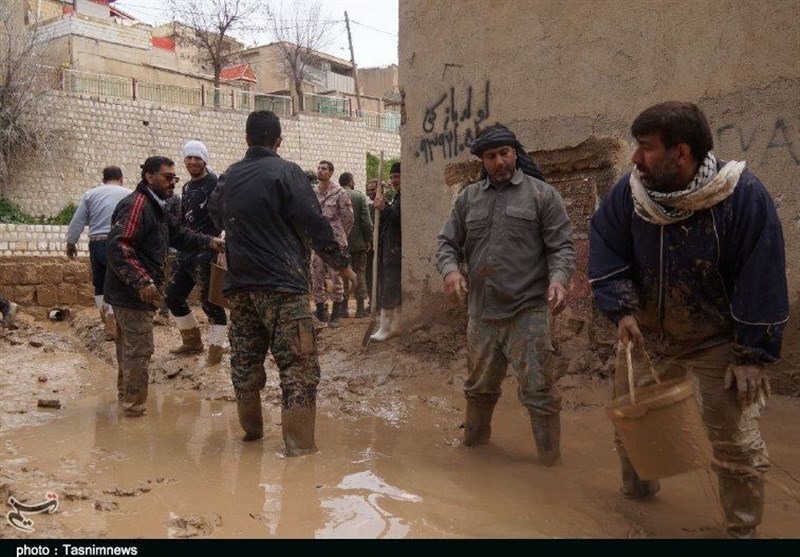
[[95, 209]]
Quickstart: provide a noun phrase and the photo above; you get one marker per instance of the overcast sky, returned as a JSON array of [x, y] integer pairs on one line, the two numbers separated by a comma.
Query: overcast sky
[[373, 24]]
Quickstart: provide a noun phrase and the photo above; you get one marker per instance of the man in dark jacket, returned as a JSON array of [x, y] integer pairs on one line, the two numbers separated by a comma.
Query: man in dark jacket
[[686, 252], [359, 242], [141, 233], [390, 257], [269, 213], [190, 269]]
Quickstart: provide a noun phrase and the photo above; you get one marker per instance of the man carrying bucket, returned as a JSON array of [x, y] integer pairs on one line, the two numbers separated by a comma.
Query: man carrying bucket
[[687, 254]]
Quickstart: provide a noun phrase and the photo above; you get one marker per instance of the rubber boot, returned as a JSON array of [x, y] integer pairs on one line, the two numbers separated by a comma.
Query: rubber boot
[[395, 325], [336, 312], [547, 435], [478, 425], [742, 501], [192, 342], [360, 309], [248, 405], [384, 331], [344, 309], [214, 355], [109, 321], [298, 423], [632, 486], [322, 313]]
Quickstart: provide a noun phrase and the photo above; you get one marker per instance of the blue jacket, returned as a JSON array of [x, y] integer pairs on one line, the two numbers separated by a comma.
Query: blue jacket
[[717, 277]]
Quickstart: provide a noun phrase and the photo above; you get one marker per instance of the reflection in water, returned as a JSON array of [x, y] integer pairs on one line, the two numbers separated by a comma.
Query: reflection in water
[[357, 511]]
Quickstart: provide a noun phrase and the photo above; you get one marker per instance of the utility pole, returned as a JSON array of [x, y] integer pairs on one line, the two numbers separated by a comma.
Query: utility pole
[[355, 68]]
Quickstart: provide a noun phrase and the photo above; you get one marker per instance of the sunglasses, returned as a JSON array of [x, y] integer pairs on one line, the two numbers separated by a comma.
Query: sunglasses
[[170, 177]]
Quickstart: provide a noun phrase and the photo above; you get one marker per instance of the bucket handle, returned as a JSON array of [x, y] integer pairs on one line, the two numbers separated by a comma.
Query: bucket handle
[[631, 387]]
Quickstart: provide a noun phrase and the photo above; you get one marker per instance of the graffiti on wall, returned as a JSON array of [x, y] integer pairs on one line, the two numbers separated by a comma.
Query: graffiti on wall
[[775, 142], [452, 122]]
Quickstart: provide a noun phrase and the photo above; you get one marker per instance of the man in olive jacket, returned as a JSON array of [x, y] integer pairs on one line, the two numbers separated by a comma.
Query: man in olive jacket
[[359, 242]]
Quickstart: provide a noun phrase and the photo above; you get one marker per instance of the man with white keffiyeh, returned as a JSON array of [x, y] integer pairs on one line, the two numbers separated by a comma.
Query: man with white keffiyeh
[[686, 255]]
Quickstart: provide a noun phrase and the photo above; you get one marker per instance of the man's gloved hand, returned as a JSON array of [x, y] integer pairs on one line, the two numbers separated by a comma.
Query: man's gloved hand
[[751, 381], [72, 251]]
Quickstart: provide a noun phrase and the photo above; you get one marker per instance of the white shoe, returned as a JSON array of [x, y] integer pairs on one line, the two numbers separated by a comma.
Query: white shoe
[[384, 331]]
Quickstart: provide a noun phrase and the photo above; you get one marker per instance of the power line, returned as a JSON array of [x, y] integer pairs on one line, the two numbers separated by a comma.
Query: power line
[[374, 28]]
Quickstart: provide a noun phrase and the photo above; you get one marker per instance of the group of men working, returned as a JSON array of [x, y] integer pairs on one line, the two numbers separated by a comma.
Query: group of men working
[[686, 256]]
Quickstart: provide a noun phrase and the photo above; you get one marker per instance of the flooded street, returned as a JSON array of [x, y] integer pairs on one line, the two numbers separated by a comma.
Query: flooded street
[[390, 465]]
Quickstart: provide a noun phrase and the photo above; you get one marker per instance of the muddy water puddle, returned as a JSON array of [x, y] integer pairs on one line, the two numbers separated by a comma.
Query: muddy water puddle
[[390, 465]]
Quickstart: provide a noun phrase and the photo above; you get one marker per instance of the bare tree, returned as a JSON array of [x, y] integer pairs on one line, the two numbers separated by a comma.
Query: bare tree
[[211, 24], [24, 129], [301, 33]]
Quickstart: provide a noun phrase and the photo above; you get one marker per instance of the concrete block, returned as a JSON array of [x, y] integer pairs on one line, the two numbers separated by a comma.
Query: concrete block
[[67, 294], [46, 295]]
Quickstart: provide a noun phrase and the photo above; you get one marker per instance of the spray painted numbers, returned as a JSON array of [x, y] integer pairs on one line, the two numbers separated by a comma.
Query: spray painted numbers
[[450, 124]]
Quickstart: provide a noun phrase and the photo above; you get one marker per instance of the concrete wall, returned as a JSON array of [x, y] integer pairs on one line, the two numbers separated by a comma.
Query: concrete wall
[[99, 132], [38, 240], [378, 82], [47, 281], [561, 71]]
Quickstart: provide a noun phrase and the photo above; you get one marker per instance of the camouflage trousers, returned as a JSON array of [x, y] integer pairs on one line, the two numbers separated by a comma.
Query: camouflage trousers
[[319, 273], [134, 345], [733, 429], [263, 321], [358, 262], [522, 341]]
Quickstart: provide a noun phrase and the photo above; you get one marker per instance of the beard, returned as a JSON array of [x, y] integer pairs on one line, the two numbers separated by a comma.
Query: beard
[[663, 177]]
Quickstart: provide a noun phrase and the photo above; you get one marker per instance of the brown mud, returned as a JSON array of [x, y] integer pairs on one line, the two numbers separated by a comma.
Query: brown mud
[[390, 465]]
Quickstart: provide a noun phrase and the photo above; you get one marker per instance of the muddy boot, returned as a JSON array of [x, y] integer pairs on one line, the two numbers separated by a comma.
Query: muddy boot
[[632, 486], [322, 313], [192, 342], [110, 322], [298, 425], [547, 435], [248, 404], [214, 355], [360, 309], [344, 310], [478, 425], [336, 312], [190, 335], [742, 501]]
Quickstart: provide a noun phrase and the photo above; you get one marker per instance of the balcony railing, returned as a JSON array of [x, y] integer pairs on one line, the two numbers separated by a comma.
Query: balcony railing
[[336, 106], [389, 121], [227, 98]]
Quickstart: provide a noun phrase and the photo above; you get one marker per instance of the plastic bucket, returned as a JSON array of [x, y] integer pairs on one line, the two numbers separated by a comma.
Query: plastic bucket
[[663, 432], [215, 295]]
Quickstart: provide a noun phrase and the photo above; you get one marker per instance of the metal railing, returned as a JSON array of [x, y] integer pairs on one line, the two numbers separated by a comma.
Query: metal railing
[[389, 121], [74, 81], [170, 94], [227, 98], [326, 105]]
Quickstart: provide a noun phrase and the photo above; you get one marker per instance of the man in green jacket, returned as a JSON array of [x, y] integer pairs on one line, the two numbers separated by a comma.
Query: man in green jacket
[[359, 242]]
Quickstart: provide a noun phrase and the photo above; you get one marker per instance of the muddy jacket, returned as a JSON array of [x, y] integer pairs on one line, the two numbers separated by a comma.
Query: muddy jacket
[[338, 209], [141, 234], [269, 213], [718, 276]]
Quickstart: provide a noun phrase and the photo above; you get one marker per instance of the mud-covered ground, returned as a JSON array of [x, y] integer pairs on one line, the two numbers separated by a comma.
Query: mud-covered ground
[[391, 463]]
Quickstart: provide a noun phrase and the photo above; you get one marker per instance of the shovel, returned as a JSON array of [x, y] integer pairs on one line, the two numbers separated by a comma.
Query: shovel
[[375, 237]]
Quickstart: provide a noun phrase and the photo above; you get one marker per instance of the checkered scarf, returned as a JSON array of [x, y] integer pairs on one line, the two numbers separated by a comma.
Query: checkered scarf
[[707, 188]]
